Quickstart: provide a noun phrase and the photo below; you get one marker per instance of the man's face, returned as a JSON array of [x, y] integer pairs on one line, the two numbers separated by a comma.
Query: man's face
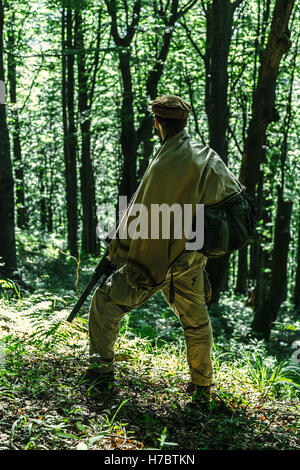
[[158, 129]]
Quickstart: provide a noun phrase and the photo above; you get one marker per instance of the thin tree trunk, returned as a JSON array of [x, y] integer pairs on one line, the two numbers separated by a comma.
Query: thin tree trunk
[[87, 182], [219, 20], [243, 272], [263, 109], [128, 139], [50, 187], [241, 284], [128, 134], [218, 37], [43, 200], [267, 311], [264, 112], [256, 241], [7, 233], [146, 128], [297, 284], [264, 258], [69, 130], [145, 131], [17, 153]]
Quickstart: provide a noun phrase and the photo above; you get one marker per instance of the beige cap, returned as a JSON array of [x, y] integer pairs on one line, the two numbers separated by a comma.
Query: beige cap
[[171, 106]]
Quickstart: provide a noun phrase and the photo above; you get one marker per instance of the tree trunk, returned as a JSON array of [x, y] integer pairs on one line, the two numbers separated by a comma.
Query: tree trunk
[[263, 111], [241, 286], [256, 241], [146, 128], [131, 138], [297, 284], [69, 130], [128, 139], [87, 182], [43, 200], [219, 19], [7, 233], [264, 258], [267, 311], [17, 153], [218, 37], [128, 182]]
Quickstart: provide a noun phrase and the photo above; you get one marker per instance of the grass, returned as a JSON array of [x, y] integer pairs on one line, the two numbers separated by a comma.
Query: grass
[[45, 404]]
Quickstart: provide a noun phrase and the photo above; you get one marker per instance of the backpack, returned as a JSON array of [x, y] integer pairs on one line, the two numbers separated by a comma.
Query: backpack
[[229, 225]]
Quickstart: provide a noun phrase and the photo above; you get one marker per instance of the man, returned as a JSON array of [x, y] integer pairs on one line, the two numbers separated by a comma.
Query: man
[[181, 173]]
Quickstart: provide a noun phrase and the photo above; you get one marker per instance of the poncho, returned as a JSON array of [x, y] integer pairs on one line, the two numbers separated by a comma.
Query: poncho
[[181, 172]]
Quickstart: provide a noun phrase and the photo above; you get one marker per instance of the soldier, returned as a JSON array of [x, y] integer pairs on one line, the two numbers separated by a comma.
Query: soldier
[[181, 172]]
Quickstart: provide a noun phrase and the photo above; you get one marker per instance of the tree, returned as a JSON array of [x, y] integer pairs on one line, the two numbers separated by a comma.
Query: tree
[[263, 110], [258, 254], [7, 232], [128, 136], [267, 308], [17, 152], [296, 295], [131, 137], [219, 21], [70, 139], [170, 15], [85, 100]]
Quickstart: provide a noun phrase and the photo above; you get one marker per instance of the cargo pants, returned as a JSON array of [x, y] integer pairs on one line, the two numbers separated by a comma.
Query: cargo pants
[[192, 289]]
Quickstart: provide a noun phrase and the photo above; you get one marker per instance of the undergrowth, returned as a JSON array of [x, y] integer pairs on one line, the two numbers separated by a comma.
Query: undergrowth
[[45, 403]]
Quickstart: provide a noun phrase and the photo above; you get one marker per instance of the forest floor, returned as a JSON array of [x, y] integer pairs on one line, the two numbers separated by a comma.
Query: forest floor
[[45, 404]]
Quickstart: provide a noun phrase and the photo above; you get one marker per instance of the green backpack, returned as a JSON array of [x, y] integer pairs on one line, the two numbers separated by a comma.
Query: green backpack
[[229, 225]]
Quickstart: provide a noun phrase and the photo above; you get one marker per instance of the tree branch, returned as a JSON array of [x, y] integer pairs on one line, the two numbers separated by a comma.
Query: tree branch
[[186, 8], [203, 7], [235, 140], [96, 60], [166, 7], [191, 40], [236, 3], [232, 87], [112, 10], [31, 86], [188, 82]]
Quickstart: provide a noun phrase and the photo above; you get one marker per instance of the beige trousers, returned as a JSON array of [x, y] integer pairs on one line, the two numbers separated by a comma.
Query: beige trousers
[[192, 289]]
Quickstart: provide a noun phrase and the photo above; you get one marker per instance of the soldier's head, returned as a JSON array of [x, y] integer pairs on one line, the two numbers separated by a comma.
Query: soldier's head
[[171, 113]]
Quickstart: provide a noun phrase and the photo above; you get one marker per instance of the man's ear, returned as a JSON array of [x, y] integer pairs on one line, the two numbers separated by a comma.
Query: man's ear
[[156, 123]]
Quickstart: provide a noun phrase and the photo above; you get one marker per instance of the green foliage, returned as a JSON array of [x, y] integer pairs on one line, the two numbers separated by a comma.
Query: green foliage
[[9, 289], [46, 403], [268, 378], [148, 409]]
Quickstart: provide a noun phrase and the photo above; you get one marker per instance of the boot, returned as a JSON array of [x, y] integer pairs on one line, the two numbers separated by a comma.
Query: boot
[[199, 393], [99, 379]]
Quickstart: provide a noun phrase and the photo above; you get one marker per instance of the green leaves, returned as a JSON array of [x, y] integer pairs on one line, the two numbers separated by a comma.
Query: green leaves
[[266, 377], [163, 440]]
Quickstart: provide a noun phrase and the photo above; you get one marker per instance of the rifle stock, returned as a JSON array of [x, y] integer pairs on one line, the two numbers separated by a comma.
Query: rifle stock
[[102, 271]]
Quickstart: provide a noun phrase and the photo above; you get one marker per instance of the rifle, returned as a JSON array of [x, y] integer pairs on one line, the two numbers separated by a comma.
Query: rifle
[[102, 272]]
